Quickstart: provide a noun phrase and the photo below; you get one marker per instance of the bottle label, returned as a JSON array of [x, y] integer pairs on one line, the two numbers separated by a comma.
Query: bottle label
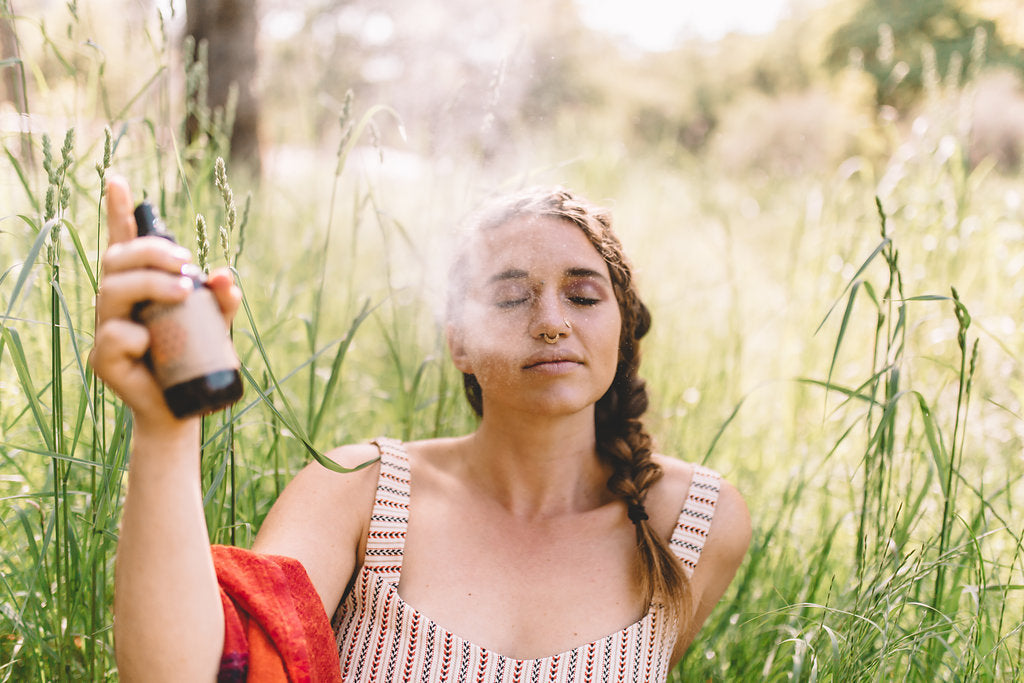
[[189, 339]]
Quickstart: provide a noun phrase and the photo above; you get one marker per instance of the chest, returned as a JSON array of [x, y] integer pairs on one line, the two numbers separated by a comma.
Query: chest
[[525, 588]]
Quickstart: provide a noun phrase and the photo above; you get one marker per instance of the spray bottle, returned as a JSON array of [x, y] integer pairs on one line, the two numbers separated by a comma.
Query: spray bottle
[[190, 351]]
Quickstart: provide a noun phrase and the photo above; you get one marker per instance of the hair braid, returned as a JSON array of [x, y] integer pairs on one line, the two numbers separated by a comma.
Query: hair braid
[[623, 443]]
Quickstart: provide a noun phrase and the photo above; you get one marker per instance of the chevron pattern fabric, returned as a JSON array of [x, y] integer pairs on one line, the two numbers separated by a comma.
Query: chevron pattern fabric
[[383, 639]]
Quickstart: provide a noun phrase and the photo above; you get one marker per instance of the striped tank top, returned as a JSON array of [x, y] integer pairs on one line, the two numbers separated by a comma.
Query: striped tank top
[[381, 638]]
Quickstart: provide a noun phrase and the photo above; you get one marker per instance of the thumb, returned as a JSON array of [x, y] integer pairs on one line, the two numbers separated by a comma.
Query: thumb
[[120, 214]]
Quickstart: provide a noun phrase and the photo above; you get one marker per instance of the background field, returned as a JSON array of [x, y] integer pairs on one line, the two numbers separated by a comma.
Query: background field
[[832, 248]]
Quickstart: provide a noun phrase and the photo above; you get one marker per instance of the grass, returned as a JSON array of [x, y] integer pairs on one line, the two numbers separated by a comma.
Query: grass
[[843, 347]]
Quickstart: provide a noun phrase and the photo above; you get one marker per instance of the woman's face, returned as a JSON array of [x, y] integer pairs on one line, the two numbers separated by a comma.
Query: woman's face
[[539, 324]]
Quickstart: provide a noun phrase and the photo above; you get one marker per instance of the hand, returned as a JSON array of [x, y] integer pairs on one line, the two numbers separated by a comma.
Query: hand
[[135, 270]]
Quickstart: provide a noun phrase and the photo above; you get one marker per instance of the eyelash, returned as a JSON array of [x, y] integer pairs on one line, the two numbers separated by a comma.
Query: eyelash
[[577, 300]]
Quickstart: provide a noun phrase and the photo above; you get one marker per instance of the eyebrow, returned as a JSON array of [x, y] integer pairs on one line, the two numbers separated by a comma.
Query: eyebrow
[[518, 274], [510, 274], [586, 272]]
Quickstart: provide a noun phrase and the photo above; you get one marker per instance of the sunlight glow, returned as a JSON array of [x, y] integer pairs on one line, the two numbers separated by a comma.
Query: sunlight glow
[[660, 24]]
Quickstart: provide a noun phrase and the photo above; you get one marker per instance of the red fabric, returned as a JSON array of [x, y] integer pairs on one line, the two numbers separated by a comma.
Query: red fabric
[[275, 626]]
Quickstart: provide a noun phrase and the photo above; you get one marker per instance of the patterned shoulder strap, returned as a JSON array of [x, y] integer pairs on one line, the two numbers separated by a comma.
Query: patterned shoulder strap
[[386, 538], [695, 519]]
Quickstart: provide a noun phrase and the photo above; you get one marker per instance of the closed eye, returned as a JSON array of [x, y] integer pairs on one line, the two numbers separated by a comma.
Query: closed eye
[[584, 300], [512, 303]]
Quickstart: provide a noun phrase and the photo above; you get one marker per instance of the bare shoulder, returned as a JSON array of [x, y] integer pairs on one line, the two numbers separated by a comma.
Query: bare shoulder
[[730, 531], [726, 545], [318, 496], [434, 453], [325, 486], [321, 519]]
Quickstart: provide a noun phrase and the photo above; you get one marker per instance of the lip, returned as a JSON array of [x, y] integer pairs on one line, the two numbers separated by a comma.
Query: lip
[[552, 361]]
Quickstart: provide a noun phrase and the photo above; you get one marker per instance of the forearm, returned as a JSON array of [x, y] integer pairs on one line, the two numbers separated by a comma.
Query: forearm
[[168, 620]]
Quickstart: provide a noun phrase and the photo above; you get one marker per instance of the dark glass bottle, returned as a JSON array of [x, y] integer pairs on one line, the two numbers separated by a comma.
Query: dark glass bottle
[[190, 350]]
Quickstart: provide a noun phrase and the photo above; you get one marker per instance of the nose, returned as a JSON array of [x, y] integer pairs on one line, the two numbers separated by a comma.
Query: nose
[[549, 321]]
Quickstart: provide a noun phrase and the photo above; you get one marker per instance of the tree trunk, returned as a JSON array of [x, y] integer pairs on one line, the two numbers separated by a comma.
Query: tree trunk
[[13, 72], [229, 28]]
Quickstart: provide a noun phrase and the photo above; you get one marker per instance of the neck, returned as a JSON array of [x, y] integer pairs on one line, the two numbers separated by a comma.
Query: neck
[[538, 466]]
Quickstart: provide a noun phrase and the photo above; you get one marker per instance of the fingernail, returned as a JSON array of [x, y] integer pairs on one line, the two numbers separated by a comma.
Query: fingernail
[[181, 253], [191, 270], [186, 283]]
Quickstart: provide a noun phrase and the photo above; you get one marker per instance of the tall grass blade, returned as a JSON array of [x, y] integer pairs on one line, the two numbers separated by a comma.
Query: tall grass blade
[[27, 265], [847, 314], [854, 280], [289, 420], [22, 178], [21, 366], [721, 429], [335, 376]]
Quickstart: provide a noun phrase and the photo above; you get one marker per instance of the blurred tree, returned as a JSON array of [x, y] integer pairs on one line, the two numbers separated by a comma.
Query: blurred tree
[[561, 55], [312, 56], [10, 61], [444, 67], [891, 39], [13, 70], [229, 29]]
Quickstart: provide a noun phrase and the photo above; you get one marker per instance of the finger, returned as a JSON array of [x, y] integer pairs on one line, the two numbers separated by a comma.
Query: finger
[[120, 214], [227, 294], [117, 359], [120, 292], [145, 252], [116, 340]]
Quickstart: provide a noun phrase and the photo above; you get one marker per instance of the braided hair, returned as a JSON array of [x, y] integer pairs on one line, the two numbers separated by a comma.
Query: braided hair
[[622, 440]]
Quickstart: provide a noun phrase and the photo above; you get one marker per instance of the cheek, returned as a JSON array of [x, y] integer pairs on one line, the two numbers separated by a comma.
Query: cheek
[[614, 339], [478, 347], [487, 357]]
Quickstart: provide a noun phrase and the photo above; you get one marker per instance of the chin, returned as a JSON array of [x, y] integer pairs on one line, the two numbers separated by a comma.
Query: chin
[[562, 406]]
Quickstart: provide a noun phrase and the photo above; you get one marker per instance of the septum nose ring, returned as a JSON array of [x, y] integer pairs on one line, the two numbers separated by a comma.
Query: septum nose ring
[[552, 338]]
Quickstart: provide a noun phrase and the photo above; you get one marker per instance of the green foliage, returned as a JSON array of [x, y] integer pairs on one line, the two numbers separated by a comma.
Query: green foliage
[[807, 342], [64, 440], [905, 43]]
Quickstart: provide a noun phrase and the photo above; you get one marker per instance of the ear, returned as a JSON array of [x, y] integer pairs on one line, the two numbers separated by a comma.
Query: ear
[[457, 348]]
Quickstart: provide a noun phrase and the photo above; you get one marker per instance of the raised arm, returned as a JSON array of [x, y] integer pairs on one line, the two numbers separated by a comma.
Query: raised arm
[[168, 618], [168, 623]]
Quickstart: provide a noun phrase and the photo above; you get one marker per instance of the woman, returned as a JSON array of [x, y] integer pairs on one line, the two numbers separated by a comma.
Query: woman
[[550, 542]]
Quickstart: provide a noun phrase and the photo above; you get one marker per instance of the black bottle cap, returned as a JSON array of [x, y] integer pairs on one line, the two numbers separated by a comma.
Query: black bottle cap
[[149, 222]]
